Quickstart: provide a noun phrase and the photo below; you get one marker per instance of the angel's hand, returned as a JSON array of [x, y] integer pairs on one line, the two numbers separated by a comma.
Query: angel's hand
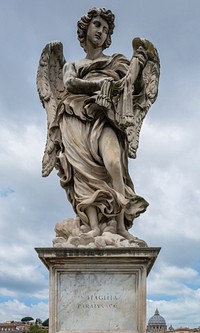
[[105, 95], [69, 83], [142, 55], [108, 79], [106, 87], [117, 86]]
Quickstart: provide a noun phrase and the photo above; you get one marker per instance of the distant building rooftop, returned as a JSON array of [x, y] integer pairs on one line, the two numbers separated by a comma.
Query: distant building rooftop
[[14, 327], [156, 323]]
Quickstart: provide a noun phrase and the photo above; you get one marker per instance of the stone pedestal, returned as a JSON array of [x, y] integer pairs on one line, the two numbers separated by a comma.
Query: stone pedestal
[[98, 290]]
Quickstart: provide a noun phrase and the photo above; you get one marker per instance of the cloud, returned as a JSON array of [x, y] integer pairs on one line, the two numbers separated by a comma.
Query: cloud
[[181, 312], [15, 310], [178, 301], [5, 192], [21, 274], [21, 147], [170, 281], [166, 171]]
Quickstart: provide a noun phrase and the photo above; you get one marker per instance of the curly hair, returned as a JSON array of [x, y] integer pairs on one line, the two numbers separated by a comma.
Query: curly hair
[[83, 23]]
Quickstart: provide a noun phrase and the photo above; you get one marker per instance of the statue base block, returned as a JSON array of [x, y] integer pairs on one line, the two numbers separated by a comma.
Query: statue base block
[[97, 290]]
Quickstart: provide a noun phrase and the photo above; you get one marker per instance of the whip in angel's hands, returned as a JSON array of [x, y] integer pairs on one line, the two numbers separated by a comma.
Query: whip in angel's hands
[[95, 108]]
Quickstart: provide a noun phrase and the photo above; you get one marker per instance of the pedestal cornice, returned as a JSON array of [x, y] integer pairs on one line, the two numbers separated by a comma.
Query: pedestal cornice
[[55, 256]]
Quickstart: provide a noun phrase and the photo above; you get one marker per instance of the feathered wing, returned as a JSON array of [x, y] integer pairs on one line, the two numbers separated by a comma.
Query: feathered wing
[[51, 91], [142, 102], [139, 91]]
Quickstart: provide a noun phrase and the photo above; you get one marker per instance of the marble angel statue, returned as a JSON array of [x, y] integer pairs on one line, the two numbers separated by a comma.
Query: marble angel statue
[[95, 109]]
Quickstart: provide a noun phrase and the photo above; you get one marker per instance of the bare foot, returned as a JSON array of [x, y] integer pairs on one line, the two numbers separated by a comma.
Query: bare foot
[[124, 233], [92, 233], [132, 239]]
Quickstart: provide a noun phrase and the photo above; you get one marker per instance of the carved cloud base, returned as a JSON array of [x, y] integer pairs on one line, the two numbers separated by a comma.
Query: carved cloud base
[[97, 290]]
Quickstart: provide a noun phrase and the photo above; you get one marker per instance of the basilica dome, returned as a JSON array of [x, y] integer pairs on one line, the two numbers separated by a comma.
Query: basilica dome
[[156, 323]]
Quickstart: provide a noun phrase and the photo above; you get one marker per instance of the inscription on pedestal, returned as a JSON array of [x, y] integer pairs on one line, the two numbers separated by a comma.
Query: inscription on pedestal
[[103, 301], [98, 302]]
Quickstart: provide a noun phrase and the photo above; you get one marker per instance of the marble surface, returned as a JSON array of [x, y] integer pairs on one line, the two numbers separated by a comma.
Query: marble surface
[[97, 290], [95, 110], [103, 301]]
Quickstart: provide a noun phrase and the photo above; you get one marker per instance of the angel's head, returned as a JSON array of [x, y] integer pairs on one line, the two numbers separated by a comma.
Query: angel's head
[[84, 22]]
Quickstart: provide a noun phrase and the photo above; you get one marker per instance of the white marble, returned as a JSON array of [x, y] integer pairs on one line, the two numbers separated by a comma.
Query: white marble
[[103, 301], [95, 110], [97, 290]]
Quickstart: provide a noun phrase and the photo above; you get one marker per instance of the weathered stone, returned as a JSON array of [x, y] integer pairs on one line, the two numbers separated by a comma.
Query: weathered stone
[[93, 290], [95, 109]]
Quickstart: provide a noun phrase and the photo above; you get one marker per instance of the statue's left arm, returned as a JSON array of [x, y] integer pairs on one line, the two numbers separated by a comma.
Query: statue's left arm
[[76, 85]]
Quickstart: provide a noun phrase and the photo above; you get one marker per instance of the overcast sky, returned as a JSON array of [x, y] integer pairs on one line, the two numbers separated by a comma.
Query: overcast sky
[[165, 173]]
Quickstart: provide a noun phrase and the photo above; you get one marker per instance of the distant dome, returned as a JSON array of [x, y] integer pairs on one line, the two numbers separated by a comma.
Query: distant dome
[[156, 323], [157, 319]]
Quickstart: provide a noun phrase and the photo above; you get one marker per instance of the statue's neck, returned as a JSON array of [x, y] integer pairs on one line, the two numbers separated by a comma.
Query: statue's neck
[[94, 53]]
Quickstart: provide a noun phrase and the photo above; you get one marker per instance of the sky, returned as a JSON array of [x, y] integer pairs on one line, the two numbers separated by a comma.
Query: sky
[[165, 173]]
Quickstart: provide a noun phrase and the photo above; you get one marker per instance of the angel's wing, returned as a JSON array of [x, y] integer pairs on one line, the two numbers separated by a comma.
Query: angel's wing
[[138, 91], [51, 91], [142, 101]]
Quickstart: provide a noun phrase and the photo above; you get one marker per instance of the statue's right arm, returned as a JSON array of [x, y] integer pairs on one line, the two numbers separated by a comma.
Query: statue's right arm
[[76, 85]]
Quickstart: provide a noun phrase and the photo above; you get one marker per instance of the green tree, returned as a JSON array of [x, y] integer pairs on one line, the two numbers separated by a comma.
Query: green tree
[[26, 319], [37, 329], [46, 323]]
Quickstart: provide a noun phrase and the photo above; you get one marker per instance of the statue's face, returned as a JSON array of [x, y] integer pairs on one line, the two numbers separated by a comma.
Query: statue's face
[[97, 32]]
